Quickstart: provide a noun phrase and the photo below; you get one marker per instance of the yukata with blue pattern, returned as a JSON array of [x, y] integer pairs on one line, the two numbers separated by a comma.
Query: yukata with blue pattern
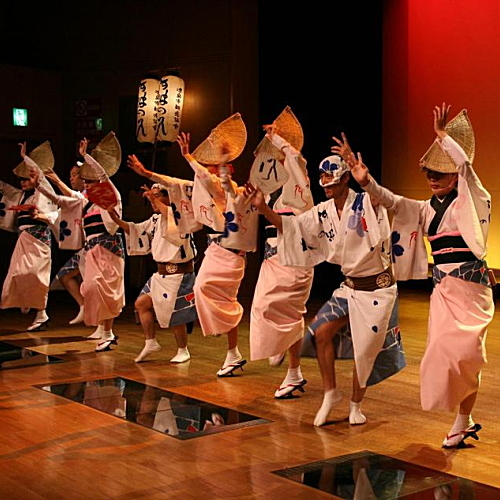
[[172, 294], [358, 241]]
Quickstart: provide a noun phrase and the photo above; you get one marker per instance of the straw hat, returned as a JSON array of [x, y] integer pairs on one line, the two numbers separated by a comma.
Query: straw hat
[[225, 142], [288, 127], [460, 129], [265, 146], [108, 154], [42, 156]]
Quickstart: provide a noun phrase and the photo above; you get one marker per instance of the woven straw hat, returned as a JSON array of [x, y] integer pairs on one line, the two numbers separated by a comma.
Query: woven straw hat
[[42, 156], [225, 142], [108, 154], [288, 127], [267, 147], [460, 129]]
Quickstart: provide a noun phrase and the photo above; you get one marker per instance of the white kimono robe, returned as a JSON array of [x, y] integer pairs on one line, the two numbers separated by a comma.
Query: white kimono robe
[[359, 242], [461, 305], [28, 278]]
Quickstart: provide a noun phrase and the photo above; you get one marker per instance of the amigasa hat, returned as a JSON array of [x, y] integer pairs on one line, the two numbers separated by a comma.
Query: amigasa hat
[[289, 128], [108, 154], [225, 142], [460, 129], [42, 155], [334, 165]]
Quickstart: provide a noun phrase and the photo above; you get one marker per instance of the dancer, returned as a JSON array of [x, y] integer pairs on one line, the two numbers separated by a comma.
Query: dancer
[[347, 230], [281, 292], [223, 207], [456, 222], [104, 257], [27, 282], [168, 294], [69, 276]]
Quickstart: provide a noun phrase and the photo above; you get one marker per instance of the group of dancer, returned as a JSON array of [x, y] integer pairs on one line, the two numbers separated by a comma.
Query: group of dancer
[[351, 229]]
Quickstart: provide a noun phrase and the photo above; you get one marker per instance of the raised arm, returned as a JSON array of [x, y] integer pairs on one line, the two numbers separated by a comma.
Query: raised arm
[[101, 173], [58, 182], [440, 119], [116, 219], [184, 139]]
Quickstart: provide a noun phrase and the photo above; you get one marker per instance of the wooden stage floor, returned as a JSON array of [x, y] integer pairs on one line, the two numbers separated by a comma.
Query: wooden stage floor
[[56, 448]]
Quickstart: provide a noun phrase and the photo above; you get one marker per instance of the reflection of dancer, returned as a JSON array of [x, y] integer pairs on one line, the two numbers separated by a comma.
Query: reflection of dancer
[[347, 230], [168, 294], [27, 282], [281, 292], [456, 222], [234, 232], [69, 276], [103, 270]]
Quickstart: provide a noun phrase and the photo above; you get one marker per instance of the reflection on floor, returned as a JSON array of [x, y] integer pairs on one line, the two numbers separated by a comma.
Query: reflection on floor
[[164, 411], [15, 356], [366, 475]]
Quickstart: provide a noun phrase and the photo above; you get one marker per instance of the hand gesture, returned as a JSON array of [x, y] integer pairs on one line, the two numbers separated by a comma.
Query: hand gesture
[[134, 163], [343, 149], [254, 195], [52, 176], [23, 149], [270, 129], [83, 147], [359, 170], [183, 139], [440, 119]]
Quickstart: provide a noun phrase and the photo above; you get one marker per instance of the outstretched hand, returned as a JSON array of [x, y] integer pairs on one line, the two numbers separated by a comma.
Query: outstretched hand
[[359, 170], [183, 139], [134, 163], [254, 195], [270, 129], [83, 147], [440, 119], [23, 149], [343, 149]]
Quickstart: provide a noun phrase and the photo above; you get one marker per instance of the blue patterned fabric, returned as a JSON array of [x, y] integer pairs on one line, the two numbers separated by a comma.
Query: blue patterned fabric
[[476, 271], [41, 233], [72, 264], [114, 244], [184, 309]]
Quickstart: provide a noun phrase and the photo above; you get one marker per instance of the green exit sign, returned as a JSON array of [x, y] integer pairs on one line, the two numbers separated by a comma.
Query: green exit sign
[[20, 117]]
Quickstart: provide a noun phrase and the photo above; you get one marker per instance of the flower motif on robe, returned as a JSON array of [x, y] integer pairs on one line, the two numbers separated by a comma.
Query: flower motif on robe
[[356, 220], [177, 214], [230, 225], [64, 230], [397, 249]]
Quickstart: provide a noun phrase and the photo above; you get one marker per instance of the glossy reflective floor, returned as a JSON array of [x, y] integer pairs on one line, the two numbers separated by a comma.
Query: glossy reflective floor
[[81, 425], [15, 356], [163, 411], [370, 476]]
